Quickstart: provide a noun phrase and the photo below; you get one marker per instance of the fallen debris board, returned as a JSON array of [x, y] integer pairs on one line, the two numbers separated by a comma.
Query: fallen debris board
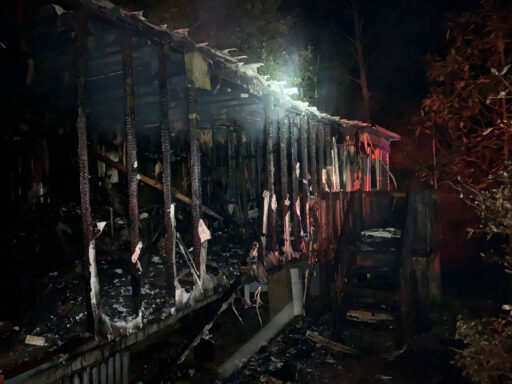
[[330, 344], [149, 181], [35, 340]]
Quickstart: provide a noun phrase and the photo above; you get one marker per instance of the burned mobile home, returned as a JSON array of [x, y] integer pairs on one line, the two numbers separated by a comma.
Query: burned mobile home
[[150, 175]]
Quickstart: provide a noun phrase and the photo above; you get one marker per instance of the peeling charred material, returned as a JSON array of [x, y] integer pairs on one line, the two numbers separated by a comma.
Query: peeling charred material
[[304, 173], [92, 297], [294, 133], [270, 171], [131, 160], [195, 175], [169, 262], [312, 156]]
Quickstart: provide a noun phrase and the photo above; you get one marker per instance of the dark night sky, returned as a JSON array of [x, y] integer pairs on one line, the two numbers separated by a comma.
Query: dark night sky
[[401, 33]]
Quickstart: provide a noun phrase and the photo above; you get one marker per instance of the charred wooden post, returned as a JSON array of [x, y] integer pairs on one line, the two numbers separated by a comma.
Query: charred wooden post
[[406, 268], [89, 261], [256, 182], [195, 172], [304, 174], [312, 156], [131, 163], [270, 173], [231, 192], [294, 133], [321, 156], [169, 262], [242, 176], [285, 200], [283, 143], [260, 148], [322, 186], [328, 145]]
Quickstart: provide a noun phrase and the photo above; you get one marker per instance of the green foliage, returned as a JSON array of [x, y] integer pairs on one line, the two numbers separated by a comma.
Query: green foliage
[[488, 353], [494, 207], [467, 114], [307, 77], [467, 106]]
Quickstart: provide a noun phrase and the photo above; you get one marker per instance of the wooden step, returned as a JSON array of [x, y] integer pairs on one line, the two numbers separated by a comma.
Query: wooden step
[[373, 277], [374, 297], [361, 320], [369, 341], [371, 317], [377, 259], [373, 306]]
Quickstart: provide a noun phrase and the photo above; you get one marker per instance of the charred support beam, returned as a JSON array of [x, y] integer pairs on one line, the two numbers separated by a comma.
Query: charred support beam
[[283, 143], [195, 172], [231, 192], [304, 174], [152, 183], [131, 164], [285, 200], [312, 156], [89, 261], [253, 166], [169, 262], [294, 133], [321, 156], [270, 173], [243, 183], [328, 145]]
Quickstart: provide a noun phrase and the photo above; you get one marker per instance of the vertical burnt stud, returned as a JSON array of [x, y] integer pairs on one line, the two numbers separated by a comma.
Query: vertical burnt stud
[[242, 174], [283, 143], [328, 144], [195, 172], [285, 200], [294, 134], [131, 160], [270, 171], [231, 166], [321, 154], [83, 164], [304, 172], [169, 262], [312, 156]]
